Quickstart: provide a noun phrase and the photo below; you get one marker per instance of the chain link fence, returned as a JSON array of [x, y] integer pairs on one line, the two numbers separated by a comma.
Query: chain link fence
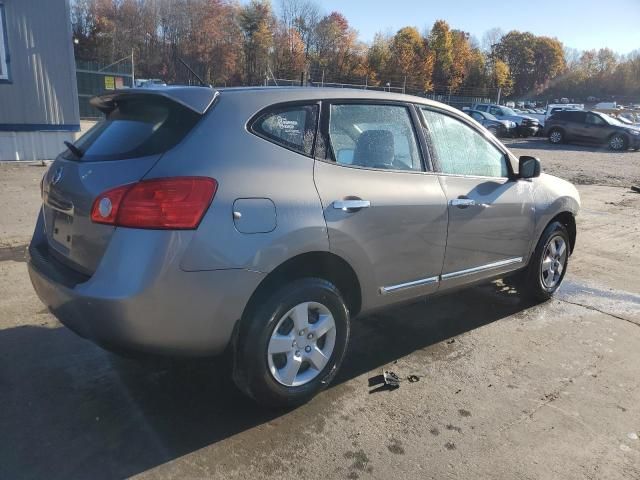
[[94, 78]]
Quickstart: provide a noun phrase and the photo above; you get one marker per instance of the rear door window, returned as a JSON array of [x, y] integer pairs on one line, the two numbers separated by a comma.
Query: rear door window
[[136, 127], [292, 127], [374, 136]]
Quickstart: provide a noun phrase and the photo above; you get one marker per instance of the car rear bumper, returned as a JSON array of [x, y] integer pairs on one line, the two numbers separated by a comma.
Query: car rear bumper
[[132, 304]]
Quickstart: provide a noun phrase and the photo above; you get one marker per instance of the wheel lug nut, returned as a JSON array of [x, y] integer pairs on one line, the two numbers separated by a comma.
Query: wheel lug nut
[[310, 336], [301, 333], [307, 349], [297, 353]]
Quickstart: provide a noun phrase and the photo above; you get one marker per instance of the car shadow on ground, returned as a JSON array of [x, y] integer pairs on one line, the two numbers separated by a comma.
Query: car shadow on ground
[[71, 410]]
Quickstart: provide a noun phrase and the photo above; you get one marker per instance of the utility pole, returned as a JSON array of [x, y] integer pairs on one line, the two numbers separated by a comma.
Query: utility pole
[[322, 77], [499, 95], [133, 71], [404, 85]]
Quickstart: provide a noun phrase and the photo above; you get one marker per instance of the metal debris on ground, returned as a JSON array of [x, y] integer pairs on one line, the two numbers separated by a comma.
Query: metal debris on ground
[[391, 380]]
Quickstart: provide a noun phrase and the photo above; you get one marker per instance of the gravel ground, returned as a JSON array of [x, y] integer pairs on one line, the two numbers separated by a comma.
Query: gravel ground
[[582, 165], [506, 389]]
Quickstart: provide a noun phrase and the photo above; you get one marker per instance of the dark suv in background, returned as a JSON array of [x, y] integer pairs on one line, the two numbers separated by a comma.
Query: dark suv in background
[[591, 127]]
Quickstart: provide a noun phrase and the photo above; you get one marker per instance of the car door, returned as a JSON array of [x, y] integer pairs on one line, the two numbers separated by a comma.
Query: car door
[[595, 129], [491, 215], [385, 210]]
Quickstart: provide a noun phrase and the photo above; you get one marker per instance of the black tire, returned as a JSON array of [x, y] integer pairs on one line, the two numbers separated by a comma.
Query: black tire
[[531, 284], [556, 136], [251, 371], [618, 142]]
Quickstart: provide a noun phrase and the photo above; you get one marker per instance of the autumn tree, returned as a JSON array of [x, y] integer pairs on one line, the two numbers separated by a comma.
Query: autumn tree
[[410, 57], [548, 61], [257, 23], [441, 46], [300, 18], [334, 43], [379, 57], [501, 77], [461, 58]]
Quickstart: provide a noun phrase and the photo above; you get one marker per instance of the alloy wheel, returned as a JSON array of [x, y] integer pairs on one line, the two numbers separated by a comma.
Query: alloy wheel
[[617, 143], [301, 344], [555, 137], [554, 261]]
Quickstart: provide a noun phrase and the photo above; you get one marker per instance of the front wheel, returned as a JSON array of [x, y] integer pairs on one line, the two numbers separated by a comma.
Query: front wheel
[[618, 142], [556, 136], [291, 346], [548, 264]]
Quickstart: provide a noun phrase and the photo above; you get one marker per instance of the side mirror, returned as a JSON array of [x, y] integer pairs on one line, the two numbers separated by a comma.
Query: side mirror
[[528, 167]]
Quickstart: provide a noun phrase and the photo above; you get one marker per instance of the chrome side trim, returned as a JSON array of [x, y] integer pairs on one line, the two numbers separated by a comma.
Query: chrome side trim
[[403, 286], [481, 268]]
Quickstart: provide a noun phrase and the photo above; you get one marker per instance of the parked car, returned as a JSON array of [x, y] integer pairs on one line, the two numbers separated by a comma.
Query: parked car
[[606, 106], [592, 127], [261, 221], [526, 124], [500, 128], [554, 108], [150, 83]]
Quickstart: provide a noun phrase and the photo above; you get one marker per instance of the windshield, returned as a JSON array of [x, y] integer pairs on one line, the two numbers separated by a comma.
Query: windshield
[[488, 116], [508, 111]]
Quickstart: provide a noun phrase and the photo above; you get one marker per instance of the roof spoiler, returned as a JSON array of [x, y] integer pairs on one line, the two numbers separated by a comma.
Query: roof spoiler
[[197, 99]]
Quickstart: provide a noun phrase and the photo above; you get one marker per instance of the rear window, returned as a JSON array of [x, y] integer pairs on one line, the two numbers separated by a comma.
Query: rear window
[[136, 127]]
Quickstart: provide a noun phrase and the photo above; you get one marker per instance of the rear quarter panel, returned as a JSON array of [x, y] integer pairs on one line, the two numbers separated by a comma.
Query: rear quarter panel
[[246, 167]]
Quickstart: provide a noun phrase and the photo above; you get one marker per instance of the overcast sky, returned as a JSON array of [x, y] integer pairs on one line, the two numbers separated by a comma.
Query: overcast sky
[[578, 24]]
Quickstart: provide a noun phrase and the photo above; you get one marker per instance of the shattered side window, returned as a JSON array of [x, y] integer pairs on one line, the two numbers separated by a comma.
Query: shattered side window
[[291, 127]]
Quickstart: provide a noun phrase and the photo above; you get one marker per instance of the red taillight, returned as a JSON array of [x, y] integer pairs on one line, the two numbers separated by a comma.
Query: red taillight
[[163, 203]]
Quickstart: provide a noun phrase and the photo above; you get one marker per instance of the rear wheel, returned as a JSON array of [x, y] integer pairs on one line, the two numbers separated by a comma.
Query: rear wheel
[[291, 347], [556, 136], [548, 264], [618, 142]]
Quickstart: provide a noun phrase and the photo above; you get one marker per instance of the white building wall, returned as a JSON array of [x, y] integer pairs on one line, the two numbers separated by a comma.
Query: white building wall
[[33, 145]]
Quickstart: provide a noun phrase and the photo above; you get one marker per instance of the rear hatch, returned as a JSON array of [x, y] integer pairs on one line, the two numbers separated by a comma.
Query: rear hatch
[[120, 149]]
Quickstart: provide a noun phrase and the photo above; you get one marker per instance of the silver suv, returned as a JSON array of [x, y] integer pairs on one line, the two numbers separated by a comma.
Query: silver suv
[[261, 221]]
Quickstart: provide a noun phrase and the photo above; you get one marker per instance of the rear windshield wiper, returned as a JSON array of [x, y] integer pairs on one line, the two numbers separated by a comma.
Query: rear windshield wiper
[[73, 149]]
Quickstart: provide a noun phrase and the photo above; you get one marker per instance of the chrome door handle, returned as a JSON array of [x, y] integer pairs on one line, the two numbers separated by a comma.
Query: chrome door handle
[[462, 202], [348, 205]]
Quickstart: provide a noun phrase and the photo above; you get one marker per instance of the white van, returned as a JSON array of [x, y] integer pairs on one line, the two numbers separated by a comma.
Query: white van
[[606, 106]]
